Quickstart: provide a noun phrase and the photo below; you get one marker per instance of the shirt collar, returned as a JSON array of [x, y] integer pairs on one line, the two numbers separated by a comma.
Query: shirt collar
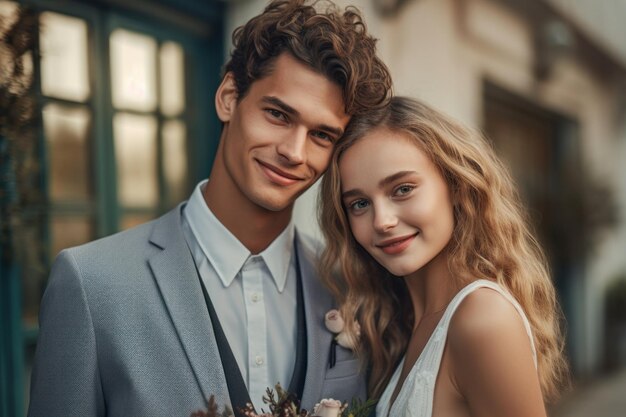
[[225, 252], [277, 256]]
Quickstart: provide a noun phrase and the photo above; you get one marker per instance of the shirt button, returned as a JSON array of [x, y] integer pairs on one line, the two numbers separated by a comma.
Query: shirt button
[[258, 360], [255, 297]]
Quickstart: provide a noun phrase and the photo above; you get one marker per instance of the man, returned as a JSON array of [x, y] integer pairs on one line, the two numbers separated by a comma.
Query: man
[[219, 296]]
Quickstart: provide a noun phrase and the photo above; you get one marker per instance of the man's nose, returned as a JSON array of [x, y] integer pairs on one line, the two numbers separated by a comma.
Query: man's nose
[[293, 147]]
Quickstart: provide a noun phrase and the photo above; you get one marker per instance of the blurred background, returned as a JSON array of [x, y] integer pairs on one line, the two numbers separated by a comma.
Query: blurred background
[[107, 121]]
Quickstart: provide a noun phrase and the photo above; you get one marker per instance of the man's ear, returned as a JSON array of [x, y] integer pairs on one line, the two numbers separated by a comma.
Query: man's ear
[[226, 98]]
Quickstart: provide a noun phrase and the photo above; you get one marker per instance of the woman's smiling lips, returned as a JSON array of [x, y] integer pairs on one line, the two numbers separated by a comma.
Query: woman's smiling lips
[[396, 245], [277, 175]]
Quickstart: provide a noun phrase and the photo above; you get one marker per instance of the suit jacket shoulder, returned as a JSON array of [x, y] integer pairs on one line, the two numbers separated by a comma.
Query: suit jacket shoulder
[[124, 329], [124, 251]]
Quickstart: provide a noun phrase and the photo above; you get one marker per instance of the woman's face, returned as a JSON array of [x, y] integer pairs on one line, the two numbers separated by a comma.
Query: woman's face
[[397, 202]]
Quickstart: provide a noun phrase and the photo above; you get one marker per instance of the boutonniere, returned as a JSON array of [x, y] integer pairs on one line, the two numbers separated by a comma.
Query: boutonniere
[[335, 324]]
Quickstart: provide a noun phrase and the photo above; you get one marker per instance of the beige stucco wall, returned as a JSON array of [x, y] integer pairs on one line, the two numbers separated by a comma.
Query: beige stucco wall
[[442, 50]]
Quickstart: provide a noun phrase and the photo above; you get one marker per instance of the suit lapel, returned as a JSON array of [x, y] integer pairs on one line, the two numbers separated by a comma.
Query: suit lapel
[[175, 275], [317, 302]]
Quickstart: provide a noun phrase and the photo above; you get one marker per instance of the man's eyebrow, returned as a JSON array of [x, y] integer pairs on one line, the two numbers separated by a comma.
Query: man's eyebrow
[[334, 130], [279, 103], [293, 112]]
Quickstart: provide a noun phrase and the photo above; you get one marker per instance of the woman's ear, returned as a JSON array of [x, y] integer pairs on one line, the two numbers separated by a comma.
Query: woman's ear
[[226, 98]]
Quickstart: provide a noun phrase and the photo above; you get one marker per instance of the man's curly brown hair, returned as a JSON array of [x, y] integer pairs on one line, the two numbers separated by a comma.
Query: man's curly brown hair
[[332, 42]]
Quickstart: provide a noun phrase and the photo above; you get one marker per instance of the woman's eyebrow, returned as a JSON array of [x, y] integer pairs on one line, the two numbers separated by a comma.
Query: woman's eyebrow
[[384, 182], [394, 177]]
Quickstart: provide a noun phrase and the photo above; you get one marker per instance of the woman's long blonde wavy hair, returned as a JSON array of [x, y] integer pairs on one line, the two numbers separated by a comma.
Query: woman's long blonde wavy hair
[[491, 240]]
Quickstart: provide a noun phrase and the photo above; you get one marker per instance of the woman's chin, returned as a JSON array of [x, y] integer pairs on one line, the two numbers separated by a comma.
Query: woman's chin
[[400, 270]]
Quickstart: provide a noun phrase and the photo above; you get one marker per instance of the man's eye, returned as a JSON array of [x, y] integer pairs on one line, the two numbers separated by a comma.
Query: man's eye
[[322, 135], [276, 114]]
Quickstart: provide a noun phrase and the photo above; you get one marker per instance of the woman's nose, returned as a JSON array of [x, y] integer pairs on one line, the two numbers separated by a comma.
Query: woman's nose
[[385, 218]]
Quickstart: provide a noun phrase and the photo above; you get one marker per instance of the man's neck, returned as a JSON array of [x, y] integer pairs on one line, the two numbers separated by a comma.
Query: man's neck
[[255, 227]]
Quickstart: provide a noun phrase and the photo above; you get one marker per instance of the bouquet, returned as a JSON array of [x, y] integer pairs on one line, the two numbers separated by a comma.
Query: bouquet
[[282, 403]]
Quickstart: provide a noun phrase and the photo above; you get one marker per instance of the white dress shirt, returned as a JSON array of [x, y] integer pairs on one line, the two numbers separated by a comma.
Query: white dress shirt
[[254, 296]]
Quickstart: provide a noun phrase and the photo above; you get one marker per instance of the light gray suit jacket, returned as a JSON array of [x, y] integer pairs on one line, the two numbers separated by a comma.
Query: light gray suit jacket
[[124, 331]]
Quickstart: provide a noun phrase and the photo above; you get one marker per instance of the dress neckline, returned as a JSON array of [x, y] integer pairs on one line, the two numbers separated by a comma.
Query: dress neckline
[[396, 375]]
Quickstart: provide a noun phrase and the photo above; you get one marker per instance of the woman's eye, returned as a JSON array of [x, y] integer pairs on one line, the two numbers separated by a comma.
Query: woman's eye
[[404, 190], [358, 205]]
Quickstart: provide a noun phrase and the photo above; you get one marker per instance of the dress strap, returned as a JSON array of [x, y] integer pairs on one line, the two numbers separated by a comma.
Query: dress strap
[[460, 296]]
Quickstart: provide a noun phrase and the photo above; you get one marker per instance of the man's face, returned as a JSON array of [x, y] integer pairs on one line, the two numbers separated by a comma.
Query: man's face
[[277, 140]]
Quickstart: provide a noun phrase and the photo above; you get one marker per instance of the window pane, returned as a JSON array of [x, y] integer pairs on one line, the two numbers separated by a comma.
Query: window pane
[[175, 161], [172, 79], [69, 230], [133, 64], [67, 144], [64, 72], [136, 156]]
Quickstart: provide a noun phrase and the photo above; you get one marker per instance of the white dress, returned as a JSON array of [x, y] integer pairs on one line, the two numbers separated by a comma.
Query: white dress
[[415, 398]]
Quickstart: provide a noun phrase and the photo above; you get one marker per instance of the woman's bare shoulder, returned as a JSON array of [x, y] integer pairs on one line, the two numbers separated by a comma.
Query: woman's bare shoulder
[[485, 313], [491, 357]]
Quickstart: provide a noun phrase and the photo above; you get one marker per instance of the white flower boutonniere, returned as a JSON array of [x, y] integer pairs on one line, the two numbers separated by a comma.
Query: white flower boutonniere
[[335, 323]]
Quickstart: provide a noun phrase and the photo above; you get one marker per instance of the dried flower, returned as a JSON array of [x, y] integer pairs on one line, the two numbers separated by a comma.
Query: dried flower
[[282, 403], [212, 410]]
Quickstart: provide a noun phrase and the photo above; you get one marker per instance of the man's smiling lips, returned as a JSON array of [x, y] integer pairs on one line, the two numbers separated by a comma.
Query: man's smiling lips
[[277, 175], [397, 244]]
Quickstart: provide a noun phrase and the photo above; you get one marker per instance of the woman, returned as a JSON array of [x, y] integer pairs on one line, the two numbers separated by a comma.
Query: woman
[[456, 309]]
